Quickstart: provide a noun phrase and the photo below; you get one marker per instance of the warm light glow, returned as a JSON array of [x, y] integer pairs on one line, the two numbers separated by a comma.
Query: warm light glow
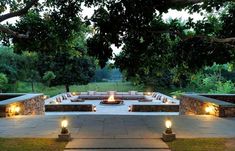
[[73, 93], [168, 124], [44, 97], [209, 109], [64, 123], [148, 93], [174, 97], [94, 109], [111, 98], [129, 108], [17, 109]]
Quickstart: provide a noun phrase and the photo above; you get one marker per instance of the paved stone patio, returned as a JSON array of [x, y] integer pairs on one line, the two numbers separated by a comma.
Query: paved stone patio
[[111, 126], [114, 144], [115, 132]]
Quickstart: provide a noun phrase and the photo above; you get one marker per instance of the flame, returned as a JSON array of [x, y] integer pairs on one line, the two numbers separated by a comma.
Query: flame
[[111, 98]]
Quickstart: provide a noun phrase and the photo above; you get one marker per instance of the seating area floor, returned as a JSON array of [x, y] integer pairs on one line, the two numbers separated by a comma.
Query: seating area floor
[[102, 109]]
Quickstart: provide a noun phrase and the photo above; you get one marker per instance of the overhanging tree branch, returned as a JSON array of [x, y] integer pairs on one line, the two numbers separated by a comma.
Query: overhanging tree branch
[[225, 40], [19, 12], [13, 33]]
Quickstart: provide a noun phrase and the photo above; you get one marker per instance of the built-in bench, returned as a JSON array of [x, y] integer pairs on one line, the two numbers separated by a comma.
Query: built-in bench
[[69, 108], [200, 104], [21, 104], [155, 108], [93, 95]]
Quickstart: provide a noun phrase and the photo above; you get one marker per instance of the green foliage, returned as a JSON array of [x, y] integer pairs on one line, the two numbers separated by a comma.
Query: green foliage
[[24, 87], [3, 81], [211, 80], [58, 38], [68, 69], [155, 53], [9, 63], [223, 87], [48, 77]]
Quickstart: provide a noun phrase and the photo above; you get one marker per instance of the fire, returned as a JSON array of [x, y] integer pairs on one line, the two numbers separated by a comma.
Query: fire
[[111, 98]]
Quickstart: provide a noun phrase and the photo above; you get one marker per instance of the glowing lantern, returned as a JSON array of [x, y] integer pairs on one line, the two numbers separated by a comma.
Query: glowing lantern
[[64, 125], [168, 135], [168, 125], [209, 109], [64, 135]]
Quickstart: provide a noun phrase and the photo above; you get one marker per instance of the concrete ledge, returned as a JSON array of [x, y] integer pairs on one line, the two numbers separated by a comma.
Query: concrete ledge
[[68, 107], [155, 108]]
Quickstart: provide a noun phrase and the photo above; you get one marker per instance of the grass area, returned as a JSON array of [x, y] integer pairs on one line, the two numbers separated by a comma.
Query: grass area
[[44, 144], [31, 144], [203, 144], [23, 87]]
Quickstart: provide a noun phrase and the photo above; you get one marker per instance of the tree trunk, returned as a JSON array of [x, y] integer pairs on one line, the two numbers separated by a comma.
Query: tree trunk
[[67, 87], [32, 85]]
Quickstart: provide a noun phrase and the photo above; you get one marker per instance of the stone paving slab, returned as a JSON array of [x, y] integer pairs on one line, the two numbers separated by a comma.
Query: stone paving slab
[[110, 126], [116, 144]]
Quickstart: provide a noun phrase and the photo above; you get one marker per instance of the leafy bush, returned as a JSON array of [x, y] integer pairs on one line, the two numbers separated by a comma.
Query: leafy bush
[[211, 80], [223, 87], [3, 81], [48, 76]]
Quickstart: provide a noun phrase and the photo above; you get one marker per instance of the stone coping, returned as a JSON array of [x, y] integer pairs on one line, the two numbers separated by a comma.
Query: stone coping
[[154, 104], [5, 96], [206, 94], [211, 100], [70, 104], [22, 97], [12, 94]]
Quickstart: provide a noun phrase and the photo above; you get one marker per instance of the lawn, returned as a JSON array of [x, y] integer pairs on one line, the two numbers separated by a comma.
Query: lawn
[[23, 87], [31, 144], [203, 144], [44, 144]]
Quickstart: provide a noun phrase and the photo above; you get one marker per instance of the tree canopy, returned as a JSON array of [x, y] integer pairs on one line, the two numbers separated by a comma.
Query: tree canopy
[[154, 51]]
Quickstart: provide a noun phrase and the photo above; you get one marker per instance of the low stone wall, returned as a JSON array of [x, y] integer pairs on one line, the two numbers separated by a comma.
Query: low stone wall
[[196, 104], [155, 108], [223, 97], [28, 104], [68, 108]]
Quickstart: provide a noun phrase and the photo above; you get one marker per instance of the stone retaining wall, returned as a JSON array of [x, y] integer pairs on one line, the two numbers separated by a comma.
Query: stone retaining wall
[[155, 108], [69, 108], [29, 104], [196, 105]]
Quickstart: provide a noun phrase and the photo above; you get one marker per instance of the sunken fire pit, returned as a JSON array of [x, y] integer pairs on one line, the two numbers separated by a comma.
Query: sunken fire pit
[[112, 101]]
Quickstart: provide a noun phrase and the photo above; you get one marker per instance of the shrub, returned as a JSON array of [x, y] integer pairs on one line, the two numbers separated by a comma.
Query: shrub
[[48, 77], [3, 81]]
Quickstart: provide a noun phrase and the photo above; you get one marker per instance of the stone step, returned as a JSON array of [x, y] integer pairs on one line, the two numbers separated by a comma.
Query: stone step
[[116, 144]]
